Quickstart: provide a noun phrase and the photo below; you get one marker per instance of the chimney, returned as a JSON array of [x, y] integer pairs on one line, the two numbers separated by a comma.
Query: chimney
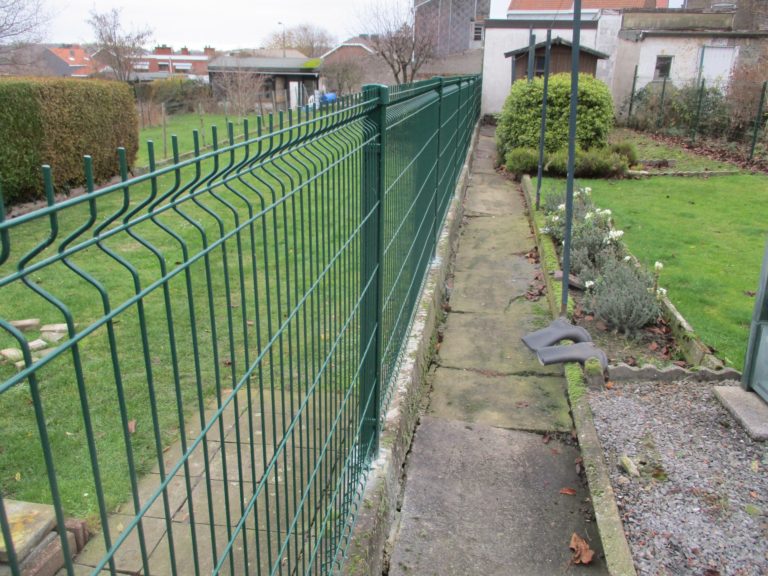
[[164, 50], [185, 51], [209, 51]]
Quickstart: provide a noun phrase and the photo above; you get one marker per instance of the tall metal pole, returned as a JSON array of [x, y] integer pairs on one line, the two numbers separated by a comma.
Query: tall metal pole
[[531, 53], [542, 134], [571, 153]]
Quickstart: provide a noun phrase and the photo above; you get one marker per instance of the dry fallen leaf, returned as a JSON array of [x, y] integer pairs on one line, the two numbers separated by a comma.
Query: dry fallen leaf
[[582, 554], [568, 491], [132, 426], [609, 385]]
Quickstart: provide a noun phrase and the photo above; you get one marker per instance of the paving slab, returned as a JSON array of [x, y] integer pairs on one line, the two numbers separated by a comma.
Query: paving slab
[[490, 342], [29, 524], [128, 557], [483, 500], [499, 286], [494, 239], [533, 403], [492, 201], [748, 408]]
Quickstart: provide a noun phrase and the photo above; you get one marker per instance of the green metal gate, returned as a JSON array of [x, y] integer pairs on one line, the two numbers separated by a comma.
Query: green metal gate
[[220, 335]]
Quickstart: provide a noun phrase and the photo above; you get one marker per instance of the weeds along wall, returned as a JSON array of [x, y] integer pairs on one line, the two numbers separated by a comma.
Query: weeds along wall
[[220, 336], [56, 122]]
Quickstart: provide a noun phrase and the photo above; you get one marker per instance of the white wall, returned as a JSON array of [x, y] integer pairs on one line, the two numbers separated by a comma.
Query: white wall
[[497, 70], [686, 59]]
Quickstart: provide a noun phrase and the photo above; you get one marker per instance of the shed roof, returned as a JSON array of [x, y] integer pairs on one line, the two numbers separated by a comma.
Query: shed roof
[[557, 42], [267, 65]]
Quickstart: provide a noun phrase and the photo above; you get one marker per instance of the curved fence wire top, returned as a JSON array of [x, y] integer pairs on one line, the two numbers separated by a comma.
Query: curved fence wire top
[[211, 344]]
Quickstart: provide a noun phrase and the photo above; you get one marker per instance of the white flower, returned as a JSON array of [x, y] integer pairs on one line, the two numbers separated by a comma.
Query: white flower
[[561, 207], [606, 212], [658, 266], [588, 284], [587, 190], [627, 258], [555, 218], [615, 235], [661, 292], [588, 216]]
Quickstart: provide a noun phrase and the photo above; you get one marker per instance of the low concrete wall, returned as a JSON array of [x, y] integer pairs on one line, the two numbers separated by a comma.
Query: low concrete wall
[[365, 554]]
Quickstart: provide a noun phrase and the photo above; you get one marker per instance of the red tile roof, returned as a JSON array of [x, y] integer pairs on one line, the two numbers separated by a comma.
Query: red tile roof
[[567, 5], [77, 59]]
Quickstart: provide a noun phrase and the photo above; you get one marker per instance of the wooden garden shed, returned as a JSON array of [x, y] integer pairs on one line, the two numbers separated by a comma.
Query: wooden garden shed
[[560, 59]]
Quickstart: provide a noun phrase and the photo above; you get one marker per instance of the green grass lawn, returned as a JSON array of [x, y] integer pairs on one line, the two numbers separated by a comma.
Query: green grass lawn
[[288, 282], [182, 125], [684, 160], [710, 234]]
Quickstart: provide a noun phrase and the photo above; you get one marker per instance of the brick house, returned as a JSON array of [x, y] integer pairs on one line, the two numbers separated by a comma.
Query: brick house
[[163, 62], [68, 60]]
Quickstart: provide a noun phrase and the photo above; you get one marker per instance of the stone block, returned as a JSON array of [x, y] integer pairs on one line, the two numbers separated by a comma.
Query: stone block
[[47, 558], [12, 354], [38, 344], [747, 408], [29, 525], [54, 328], [26, 325], [53, 337], [79, 529]]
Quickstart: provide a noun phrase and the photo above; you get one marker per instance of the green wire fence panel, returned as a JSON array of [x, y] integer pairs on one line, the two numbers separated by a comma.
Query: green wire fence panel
[[217, 338]]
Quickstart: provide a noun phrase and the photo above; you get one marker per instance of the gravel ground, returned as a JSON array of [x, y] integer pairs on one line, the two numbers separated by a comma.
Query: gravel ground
[[700, 503]]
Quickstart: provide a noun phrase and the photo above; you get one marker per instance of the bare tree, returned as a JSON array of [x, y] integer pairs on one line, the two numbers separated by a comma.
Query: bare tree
[[344, 75], [310, 40], [392, 33], [240, 88], [21, 23], [118, 48]]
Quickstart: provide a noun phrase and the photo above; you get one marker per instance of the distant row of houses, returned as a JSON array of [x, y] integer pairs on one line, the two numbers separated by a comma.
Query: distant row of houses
[[626, 43]]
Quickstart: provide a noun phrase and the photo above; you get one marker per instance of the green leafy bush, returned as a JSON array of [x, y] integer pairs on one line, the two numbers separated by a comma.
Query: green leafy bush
[[57, 122], [594, 163], [626, 149], [624, 297], [520, 119], [521, 161]]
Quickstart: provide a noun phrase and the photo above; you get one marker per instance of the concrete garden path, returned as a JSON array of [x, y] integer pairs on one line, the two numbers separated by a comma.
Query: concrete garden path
[[484, 479]]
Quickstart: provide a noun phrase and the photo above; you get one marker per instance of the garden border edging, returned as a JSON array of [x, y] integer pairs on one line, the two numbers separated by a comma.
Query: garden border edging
[[618, 556], [368, 539]]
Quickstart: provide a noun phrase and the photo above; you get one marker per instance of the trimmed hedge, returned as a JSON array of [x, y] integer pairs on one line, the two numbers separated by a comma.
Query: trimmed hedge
[[57, 122], [520, 119]]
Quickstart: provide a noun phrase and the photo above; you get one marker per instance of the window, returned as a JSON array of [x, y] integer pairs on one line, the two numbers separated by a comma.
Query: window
[[539, 66], [663, 66], [477, 32], [163, 66]]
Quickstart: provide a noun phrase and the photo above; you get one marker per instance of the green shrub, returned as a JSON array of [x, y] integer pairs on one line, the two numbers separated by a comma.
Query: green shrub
[[520, 119], [626, 149], [521, 161], [57, 122], [594, 163], [624, 298]]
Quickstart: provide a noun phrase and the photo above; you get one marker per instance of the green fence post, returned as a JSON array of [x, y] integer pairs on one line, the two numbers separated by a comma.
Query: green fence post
[[372, 276], [632, 96], [661, 104], [698, 111], [438, 192], [758, 120]]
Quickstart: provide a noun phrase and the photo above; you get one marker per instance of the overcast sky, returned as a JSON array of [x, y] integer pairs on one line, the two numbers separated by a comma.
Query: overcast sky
[[223, 24]]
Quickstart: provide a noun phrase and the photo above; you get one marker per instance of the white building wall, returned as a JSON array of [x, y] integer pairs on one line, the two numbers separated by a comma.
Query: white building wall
[[686, 60], [497, 70]]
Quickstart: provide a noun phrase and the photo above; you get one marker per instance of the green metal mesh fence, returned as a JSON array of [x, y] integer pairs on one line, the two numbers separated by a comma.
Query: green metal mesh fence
[[218, 337]]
